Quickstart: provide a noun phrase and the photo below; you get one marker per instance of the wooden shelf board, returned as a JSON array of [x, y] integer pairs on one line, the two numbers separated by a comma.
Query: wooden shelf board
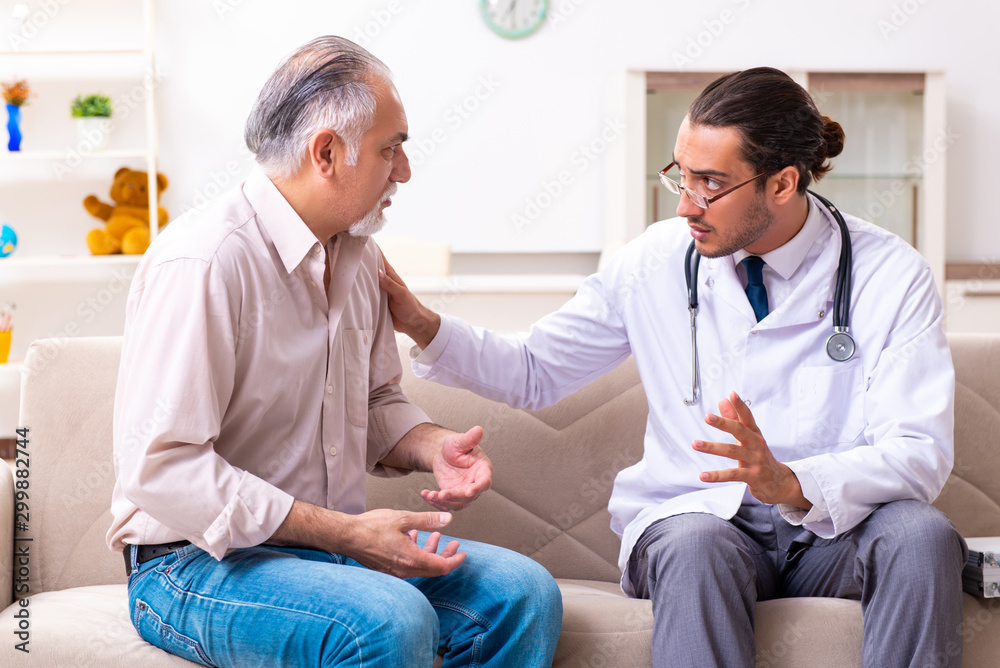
[[74, 52], [55, 268], [971, 271], [18, 156]]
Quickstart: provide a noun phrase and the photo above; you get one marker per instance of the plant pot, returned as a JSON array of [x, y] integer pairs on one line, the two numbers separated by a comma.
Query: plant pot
[[14, 127], [93, 132]]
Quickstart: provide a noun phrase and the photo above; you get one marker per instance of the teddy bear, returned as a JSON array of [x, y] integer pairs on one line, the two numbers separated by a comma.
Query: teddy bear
[[126, 222]]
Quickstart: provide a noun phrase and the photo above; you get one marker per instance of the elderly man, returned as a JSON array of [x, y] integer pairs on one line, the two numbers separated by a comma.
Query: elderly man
[[258, 384]]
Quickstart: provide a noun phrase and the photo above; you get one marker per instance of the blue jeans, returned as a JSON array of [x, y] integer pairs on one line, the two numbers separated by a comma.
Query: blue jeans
[[278, 606]]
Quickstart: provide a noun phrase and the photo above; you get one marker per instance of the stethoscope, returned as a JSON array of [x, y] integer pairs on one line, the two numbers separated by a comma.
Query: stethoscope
[[840, 346]]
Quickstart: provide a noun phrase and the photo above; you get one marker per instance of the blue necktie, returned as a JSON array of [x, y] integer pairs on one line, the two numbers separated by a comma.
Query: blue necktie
[[756, 292]]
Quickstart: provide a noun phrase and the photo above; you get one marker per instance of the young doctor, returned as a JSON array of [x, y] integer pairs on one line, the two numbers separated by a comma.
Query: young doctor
[[833, 428]]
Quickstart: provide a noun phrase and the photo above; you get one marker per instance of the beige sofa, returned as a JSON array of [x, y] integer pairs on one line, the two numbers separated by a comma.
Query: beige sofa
[[554, 471]]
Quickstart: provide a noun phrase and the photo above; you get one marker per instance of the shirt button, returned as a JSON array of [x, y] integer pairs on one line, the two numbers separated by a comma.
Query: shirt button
[[315, 249], [313, 283], [329, 389], [333, 452]]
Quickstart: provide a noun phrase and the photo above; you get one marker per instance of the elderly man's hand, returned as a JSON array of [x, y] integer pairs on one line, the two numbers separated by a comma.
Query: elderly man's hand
[[462, 470], [383, 540], [386, 541]]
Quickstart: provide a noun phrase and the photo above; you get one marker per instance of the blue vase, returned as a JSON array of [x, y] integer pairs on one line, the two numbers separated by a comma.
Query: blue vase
[[13, 127]]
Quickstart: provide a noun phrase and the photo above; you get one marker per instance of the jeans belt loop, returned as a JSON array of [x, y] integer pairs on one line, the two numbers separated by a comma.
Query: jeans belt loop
[[144, 553]]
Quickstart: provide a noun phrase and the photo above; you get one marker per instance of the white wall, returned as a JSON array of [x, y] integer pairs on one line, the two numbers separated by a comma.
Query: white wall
[[496, 123], [548, 95]]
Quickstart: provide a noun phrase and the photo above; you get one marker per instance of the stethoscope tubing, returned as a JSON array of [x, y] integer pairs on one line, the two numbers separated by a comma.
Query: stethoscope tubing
[[840, 346]]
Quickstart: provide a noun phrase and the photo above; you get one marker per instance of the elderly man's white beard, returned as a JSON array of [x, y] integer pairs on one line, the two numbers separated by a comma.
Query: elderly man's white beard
[[374, 220]]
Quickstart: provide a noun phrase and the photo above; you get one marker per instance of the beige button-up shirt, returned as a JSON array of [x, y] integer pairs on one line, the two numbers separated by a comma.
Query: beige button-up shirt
[[243, 384]]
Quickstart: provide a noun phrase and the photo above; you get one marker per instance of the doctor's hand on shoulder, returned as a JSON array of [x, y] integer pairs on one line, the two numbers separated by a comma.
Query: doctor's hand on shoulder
[[768, 479], [409, 316]]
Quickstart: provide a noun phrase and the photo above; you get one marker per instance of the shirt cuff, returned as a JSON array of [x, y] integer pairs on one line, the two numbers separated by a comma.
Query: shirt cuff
[[388, 424], [252, 516], [797, 516], [423, 360]]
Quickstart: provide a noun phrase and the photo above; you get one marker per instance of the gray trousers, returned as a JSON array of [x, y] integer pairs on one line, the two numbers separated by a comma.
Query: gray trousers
[[705, 575]]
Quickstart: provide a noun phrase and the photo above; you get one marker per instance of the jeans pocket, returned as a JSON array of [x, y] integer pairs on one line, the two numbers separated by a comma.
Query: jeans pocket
[[156, 632]]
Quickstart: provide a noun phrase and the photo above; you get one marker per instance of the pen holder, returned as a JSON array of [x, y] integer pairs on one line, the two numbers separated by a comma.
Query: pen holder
[[4, 346]]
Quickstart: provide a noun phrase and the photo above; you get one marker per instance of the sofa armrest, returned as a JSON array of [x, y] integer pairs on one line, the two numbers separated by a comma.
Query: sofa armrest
[[6, 535]]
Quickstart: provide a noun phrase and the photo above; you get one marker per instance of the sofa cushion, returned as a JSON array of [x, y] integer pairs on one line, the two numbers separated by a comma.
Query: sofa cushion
[[82, 627], [555, 469], [971, 496], [89, 626], [67, 403], [602, 627]]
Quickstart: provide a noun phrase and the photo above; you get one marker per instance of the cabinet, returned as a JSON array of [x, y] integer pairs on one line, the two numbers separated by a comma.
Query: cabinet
[[65, 49], [972, 297]]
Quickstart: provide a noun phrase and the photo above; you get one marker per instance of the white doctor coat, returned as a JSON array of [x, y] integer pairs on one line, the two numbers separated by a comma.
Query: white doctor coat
[[857, 434]]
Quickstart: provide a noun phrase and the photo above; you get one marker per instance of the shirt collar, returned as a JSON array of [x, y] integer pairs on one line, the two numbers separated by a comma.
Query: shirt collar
[[787, 258], [291, 237]]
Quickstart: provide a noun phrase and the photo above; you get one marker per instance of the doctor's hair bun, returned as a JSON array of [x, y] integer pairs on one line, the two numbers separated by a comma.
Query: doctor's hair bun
[[777, 119], [834, 136], [833, 144]]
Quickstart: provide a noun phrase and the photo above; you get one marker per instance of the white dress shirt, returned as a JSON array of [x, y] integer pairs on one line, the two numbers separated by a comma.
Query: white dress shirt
[[857, 434], [244, 384]]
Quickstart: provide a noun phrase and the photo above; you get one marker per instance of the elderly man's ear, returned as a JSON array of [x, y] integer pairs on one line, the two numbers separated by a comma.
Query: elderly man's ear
[[326, 152]]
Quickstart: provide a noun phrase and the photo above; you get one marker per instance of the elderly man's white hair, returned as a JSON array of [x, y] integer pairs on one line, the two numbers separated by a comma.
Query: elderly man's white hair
[[327, 83]]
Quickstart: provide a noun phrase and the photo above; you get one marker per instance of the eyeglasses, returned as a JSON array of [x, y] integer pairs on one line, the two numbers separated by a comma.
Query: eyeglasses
[[696, 197]]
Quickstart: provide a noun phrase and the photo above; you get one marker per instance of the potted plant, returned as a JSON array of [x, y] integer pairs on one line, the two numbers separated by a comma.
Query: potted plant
[[16, 95], [92, 113]]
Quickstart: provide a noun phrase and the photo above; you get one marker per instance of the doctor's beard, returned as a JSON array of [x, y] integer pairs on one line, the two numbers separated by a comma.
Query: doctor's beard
[[752, 225], [374, 220]]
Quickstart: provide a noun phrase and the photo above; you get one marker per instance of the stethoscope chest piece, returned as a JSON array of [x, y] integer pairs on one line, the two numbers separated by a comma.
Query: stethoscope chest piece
[[840, 346]]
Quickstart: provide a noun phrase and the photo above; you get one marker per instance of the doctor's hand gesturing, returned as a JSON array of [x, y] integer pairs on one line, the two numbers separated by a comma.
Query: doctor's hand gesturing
[[768, 479]]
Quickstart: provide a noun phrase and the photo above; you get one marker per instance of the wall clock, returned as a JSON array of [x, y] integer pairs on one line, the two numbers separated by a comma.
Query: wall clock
[[514, 19]]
